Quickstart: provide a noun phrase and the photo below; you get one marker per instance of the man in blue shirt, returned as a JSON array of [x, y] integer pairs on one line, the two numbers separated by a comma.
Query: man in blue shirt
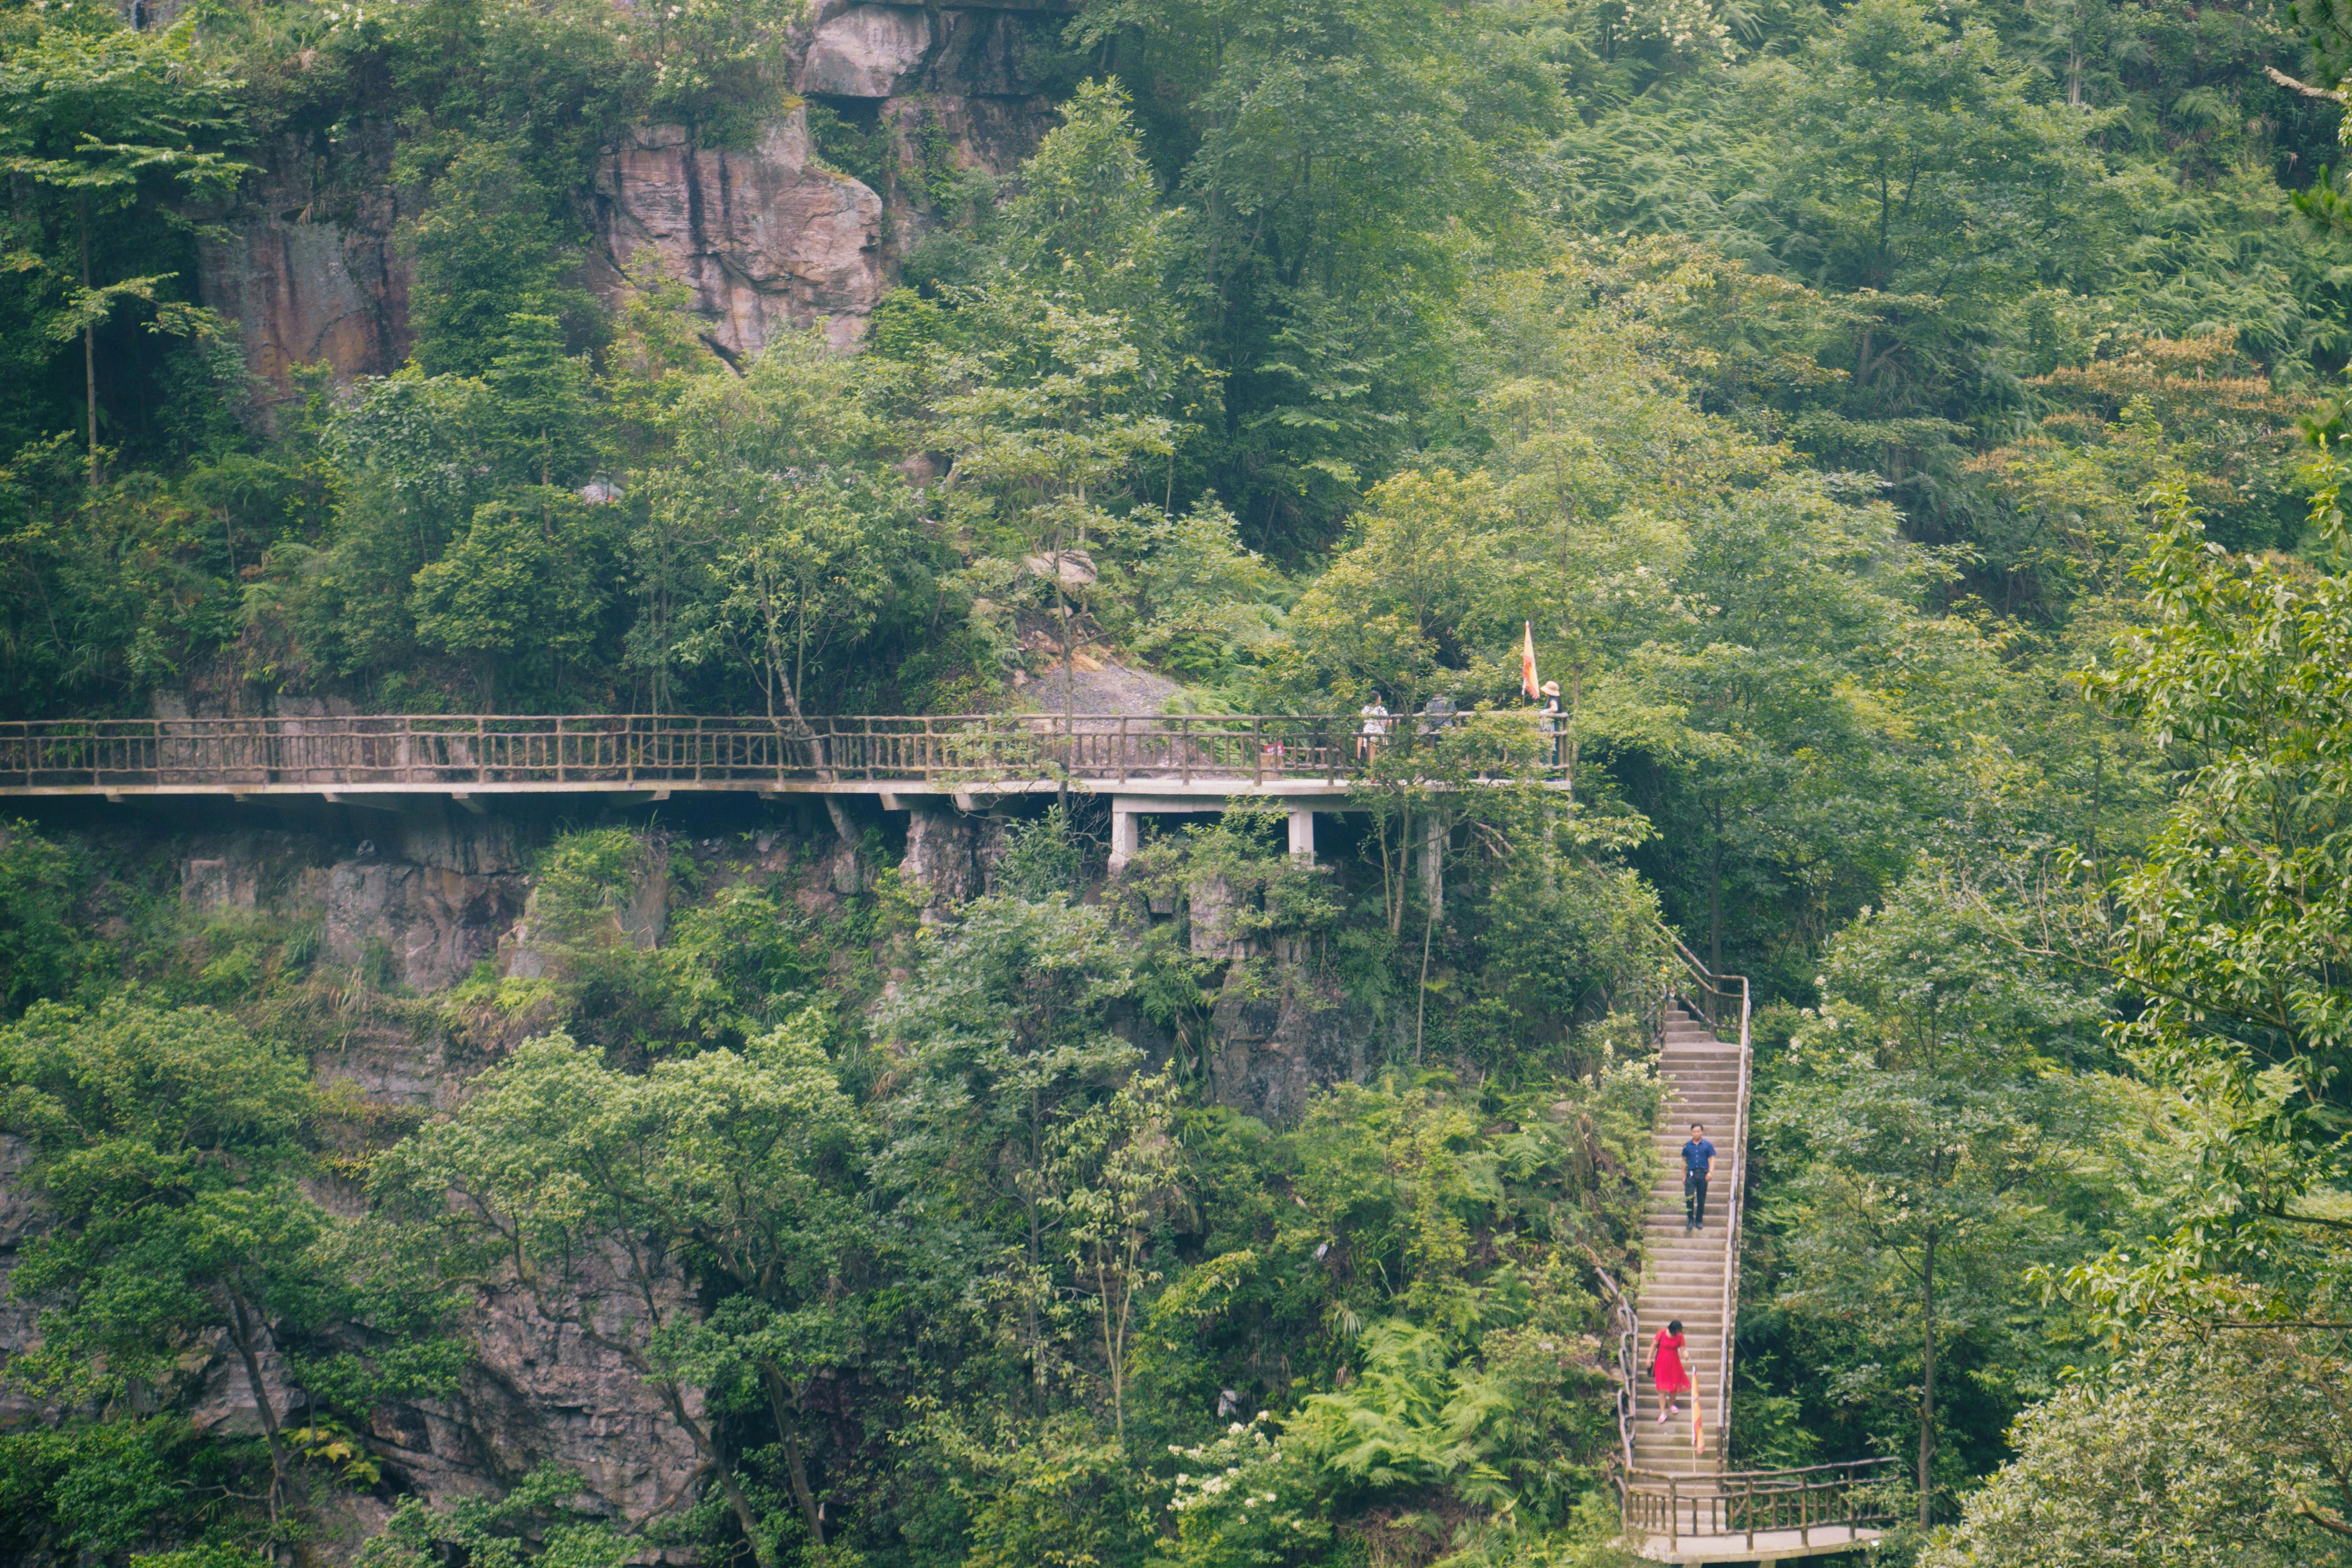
[[1698, 1158]]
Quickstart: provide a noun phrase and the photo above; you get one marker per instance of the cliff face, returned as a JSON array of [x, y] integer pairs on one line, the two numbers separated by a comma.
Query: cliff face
[[766, 238], [311, 275], [407, 904]]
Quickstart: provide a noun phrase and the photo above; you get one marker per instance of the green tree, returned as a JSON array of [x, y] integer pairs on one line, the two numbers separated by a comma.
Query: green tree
[[2232, 928], [1111, 1170], [519, 583], [42, 953], [168, 1142], [732, 1167], [1045, 420], [1006, 1033], [1325, 151], [107, 121], [1918, 1140], [487, 252], [772, 542], [1407, 610], [2188, 1452]]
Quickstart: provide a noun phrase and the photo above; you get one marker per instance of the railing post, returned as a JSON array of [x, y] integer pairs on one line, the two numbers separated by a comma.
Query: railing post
[[1674, 1513]]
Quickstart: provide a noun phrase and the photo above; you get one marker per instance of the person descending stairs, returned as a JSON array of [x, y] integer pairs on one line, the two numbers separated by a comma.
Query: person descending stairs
[[1685, 1276]]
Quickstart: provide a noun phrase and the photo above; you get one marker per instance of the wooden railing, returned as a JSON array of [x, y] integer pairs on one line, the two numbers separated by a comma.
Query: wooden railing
[[1850, 1496], [627, 751]]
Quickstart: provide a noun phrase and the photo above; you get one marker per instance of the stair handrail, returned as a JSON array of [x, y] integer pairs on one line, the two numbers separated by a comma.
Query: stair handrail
[[1628, 1359], [1733, 1206]]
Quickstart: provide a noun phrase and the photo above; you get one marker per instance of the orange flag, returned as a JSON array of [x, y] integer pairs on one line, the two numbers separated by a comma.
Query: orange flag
[[1527, 663]]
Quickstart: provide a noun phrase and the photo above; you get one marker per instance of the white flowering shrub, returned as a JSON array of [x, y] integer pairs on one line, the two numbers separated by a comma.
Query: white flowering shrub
[[1240, 1503]]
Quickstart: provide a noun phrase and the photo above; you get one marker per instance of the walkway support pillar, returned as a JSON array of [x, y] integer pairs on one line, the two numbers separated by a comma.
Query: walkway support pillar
[[1302, 834], [1126, 832]]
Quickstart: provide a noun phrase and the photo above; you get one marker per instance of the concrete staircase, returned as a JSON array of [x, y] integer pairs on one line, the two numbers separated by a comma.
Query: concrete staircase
[[1683, 1277]]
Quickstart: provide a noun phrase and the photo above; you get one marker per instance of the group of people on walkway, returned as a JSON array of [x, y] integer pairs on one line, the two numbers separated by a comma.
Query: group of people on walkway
[[1440, 713]]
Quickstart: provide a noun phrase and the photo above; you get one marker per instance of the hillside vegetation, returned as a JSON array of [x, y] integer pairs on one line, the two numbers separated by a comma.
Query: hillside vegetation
[[1908, 432]]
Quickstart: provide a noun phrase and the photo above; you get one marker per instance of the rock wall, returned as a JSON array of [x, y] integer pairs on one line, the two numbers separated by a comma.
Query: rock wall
[[417, 898], [308, 267], [765, 237]]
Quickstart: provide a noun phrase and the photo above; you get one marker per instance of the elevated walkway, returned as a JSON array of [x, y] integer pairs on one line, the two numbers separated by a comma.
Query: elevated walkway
[[1163, 756]]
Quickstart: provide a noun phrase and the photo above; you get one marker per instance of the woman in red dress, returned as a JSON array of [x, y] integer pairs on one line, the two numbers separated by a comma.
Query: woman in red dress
[[1668, 1372]]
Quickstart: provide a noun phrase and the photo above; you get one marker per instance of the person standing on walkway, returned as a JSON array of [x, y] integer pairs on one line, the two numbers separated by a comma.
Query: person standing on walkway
[[1698, 1159], [1555, 724], [1668, 1372]]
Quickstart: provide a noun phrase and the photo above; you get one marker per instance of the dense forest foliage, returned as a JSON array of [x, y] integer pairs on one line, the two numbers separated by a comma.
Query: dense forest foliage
[[1909, 431]]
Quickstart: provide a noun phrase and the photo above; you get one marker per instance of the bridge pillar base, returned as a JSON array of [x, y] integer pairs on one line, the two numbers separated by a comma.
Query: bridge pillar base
[[1302, 834], [1126, 833]]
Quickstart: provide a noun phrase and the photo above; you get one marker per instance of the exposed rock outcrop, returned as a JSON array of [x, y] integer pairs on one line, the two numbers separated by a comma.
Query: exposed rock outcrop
[[867, 51], [310, 270], [765, 240], [765, 236], [1279, 1038], [431, 925], [539, 1392]]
